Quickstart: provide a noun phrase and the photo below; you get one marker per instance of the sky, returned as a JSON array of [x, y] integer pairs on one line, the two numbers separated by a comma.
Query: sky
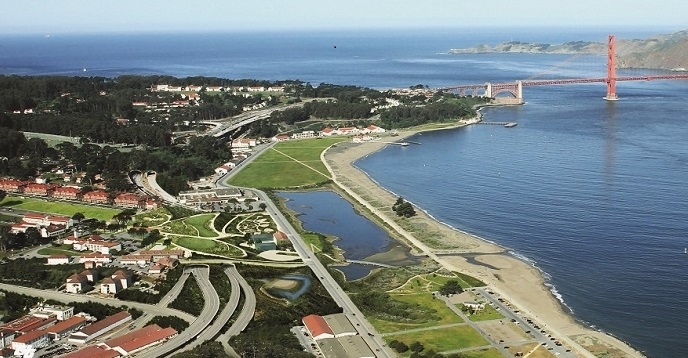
[[95, 16]]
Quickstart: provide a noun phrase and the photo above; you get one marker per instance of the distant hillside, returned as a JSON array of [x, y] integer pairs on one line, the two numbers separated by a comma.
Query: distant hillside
[[662, 51]]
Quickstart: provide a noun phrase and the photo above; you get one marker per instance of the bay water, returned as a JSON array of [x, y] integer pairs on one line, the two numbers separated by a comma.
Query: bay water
[[593, 193]]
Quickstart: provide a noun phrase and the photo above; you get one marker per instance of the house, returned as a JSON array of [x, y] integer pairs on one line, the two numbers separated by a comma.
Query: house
[[97, 197], [373, 129], [275, 89], [30, 341], [140, 260], [280, 238], [81, 282], [64, 328], [38, 219], [303, 135], [327, 132], [280, 138], [38, 189], [243, 144], [96, 243], [156, 269], [53, 230], [223, 169], [97, 258], [255, 89], [348, 131], [140, 339], [150, 204], [12, 186], [119, 281], [58, 260], [129, 200], [98, 328]]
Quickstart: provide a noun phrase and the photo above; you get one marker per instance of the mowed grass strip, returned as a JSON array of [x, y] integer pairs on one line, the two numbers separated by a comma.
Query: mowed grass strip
[[443, 339], [202, 224], [59, 208], [288, 164]]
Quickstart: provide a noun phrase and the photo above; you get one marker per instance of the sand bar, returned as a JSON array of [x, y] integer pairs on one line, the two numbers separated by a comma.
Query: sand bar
[[515, 280]]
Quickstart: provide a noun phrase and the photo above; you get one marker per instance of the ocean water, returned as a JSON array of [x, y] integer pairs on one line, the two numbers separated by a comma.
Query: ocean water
[[594, 193]]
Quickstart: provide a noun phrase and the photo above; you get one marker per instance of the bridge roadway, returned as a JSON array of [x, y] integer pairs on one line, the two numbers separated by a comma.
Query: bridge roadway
[[227, 125], [210, 309], [247, 311], [169, 297], [370, 263], [72, 297]]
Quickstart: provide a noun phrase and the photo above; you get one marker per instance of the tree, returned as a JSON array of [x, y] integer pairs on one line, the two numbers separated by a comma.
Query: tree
[[416, 347], [78, 217], [262, 206], [3, 194], [450, 287]]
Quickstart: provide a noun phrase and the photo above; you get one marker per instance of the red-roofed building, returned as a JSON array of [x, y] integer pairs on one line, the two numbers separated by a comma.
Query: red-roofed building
[[373, 129], [317, 326], [29, 341], [347, 131], [151, 204], [39, 189], [39, 219], [129, 200], [143, 338], [97, 244], [98, 328], [29, 323], [97, 197], [327, 131], [93, 352], [6, 337], [80, 282], [12, 186], [65, 327], [67, 192], [280, 237]]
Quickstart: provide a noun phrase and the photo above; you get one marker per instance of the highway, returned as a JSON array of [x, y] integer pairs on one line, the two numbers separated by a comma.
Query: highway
[[73, 297], [221, 320], [247, 311], [210, 309]]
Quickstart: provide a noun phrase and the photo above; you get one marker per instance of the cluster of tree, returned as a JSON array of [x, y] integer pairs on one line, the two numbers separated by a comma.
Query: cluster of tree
[[170, 321], [339, 109], [209, 349], [15, 304], [412, 115], [343, 93], [418, 350], [163, 287], [98, 310], [34, 273], [190, 299], [403, 208], [450, 288]]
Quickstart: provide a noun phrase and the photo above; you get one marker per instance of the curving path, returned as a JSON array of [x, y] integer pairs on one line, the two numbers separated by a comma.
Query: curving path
[[210, 308], [247, 311]]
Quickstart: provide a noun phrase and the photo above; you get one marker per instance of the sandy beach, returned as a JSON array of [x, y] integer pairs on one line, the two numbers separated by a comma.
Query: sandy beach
[[515, 280]]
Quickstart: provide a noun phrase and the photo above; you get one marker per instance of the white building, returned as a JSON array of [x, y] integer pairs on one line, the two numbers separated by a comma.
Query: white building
[[58, 260], [60, 312], [27, 343]]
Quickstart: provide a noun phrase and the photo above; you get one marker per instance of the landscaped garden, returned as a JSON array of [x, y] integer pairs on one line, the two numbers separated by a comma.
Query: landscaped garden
[[202, 224], [152, 218], [209, 246]]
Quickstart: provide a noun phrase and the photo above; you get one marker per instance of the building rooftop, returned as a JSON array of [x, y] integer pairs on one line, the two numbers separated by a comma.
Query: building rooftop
[[93, 352], [66, 324], [30, 336], [105, 322], [316, 325], [346, 347], [340, 324]]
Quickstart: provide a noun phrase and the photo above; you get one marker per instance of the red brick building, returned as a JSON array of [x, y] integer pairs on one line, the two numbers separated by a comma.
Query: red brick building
[[129, 200], [39, 189], [67, 192], [12, 186], [97, 197]]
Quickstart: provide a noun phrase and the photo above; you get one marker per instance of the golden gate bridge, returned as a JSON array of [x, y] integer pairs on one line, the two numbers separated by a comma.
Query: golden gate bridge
[[515, 89]]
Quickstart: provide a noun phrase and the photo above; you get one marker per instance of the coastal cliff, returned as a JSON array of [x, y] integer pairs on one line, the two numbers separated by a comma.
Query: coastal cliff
[[669, 52]]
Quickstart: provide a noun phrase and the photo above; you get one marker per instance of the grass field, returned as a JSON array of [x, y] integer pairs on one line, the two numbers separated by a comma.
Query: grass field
[[286, 165], [196, 244], [443, 339], [446, 316], [59, 208], [202, 224], [180, 228], [483, 353], [486, 314], [60, 250]]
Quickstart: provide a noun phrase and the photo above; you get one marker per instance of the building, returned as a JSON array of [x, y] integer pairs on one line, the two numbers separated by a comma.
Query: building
[[475, 306], [97, 197], [61, 313], [317, 327], [12, 186], [38, 189], [134, 259], [96, 243], [262, 242], [223, 169], [81, 282], [64, 328], [303, 135], [243, 144], [67, 192], [340, 325], [58, 260], [39, 220], [129, 200], [140, 339], [98, 328], [27, 342], [93, 352], [280, 238], [345, 347], [348, 131], [327, 132], [120, 280], [372, 129], [96, 258], [29, 323], [279, 138], [6, 337]]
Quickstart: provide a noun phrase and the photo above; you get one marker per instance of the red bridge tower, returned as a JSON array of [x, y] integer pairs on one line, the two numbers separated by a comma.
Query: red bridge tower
[[611, 71]]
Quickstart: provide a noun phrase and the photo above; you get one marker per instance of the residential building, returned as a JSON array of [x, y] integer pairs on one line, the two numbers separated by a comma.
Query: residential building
[[67, 192], [279, 138], [303, 135], [29, 323], [129, 200], [223, 169], [327, 132], [348, 131], [39, 189], [81, 282], [96, 243], [12, 186], [6, 337], [39, 219], [135, 259], [58, 260], [98, 328], [96, 258], [97, 197], [243, 144], [280, 238], [373, 129]]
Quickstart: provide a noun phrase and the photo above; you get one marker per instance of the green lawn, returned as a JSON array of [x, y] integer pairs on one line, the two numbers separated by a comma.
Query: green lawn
[[486, 314], [443, 339], [445, 315], [202, 224], [483, 353], [59, 208], [196, 244], [288, 164], [59, 250], [180, 228]]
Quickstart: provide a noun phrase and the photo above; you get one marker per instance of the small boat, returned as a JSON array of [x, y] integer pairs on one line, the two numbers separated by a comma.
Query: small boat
[[511, 125]]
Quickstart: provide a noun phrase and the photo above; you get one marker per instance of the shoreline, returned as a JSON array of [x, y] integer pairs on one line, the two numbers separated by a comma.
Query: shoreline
[[513, 276]]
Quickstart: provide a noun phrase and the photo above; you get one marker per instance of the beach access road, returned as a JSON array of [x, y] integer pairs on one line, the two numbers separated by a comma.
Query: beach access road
[[73, 297]]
